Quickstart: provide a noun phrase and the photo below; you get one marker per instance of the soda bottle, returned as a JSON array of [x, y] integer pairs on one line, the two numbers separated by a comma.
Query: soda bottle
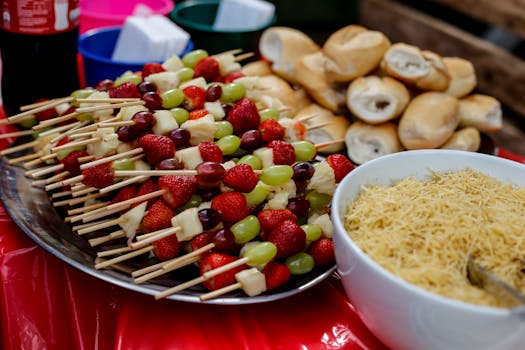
[[38, 44]]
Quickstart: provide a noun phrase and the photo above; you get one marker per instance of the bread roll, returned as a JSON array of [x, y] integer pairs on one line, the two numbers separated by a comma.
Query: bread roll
[[405, 62], [428, 121], [466, 139], [353, 51], [283, 46], [438, 78], [277, 87], [376, 99], [311, 75], [365, 142], [336, 130], [257, 68], [462, 76], [481, 111]]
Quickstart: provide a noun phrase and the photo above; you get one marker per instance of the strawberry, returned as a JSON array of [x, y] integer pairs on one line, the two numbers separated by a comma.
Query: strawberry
[[98, 176], [194, 97], [152, 68], [276, 274], [124, 194], [158, 217], [167, 248], [127, 89], [179, 189], [63, 141], [271, 130], [231, 205], [230, 77], [210, 152], [340, 164], [198, 113], [157, 147], [148, 186], [322, 251], [208, 68], [244, 116], [71, 163], [270, 218], [214, 260], [288, 237], [283, 152], [241, 178], [201, 240], [46, 113]]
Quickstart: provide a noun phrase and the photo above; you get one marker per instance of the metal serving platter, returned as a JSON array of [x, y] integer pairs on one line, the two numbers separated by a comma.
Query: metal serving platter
[[31, 209]]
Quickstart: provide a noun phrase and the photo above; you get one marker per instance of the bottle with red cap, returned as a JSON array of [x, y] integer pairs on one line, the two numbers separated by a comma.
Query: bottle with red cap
[[38, 43]]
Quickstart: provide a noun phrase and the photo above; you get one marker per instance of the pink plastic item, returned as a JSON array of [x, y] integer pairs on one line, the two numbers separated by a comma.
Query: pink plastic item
[[103, 13]]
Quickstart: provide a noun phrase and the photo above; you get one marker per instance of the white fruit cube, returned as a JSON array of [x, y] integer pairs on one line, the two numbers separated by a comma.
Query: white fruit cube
[[190, 157], [201, 130], [215, 109], [189, 223], [323, 180], [265, 154], [126, 113], [164, 122], [164, 80], [132, 219], [200, 82], [173, 64], [252, 281]]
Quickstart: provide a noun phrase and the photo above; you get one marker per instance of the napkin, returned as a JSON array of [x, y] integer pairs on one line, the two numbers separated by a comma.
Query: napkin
[[243, 15], [149, 38]]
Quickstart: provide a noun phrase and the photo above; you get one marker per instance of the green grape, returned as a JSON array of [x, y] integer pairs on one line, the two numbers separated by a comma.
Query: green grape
[[191, 58], [260, 253], [232, 92], [253, 161], [84, 117], [185, 74], [313, 232], [300, 263], [222, 128], [81, 93], [269, 113], [64, 152], [124, 164], [318, 200], [276, 175], [194, 201], [128, 77], [172, 98], [304, 151], [246, 229], [28, 123], [229, 144], [180, 114], [257, 195]]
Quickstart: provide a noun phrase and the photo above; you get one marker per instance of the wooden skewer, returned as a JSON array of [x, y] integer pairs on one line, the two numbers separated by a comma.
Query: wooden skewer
[[123, 257], [116, 124], [185, 172], [205, 276], [86, 208], [95, 108], [70, 131], [18, 148], [100, 240], [111, 158], [72, 202], [221, 291], [107, 100], [42, 103], [76, 143], [26, 157], [124, 183], [91, 216], [159, 272], [16, 134], [244, 56], [138, 199], [101, 225], [69, 181], [317, 126], [228, 52], [47, 123], [61, 194], [46, 170], [59, 129], [85, 225], [328, 143], [161, 234], [114, 251], [197, 252], [305, 118], [30, 112]]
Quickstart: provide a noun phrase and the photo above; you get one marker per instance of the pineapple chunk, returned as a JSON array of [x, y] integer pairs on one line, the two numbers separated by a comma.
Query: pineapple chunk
[[323, 180], [201, 130], [227, 64], [164, 122], [189, 222], [265, 154], [107, 145], [126, 113], [324, 222], [173, 64], [164, 80], [200, 82], [215, 109], [132, 219], [252, 281], [190, 157]]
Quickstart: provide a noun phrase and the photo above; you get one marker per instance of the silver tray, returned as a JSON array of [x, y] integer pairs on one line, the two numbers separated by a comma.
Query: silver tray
[[31, 209]]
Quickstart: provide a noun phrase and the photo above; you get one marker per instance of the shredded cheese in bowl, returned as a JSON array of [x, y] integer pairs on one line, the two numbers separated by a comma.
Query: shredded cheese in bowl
[[423, 231]]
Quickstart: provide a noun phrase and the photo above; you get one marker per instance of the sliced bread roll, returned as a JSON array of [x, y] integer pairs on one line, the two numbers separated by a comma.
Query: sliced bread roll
[[462, 76], [429, 121], [353, 51], [405, 62], [365, 142], [481, 111], [376, 99], [283, 47], [466, 139]]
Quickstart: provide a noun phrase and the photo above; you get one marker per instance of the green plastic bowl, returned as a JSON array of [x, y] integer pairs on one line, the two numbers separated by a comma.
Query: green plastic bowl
[[197, 17]]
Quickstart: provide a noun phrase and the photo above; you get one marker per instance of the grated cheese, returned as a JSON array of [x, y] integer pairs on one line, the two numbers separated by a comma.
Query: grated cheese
[[423, 231]]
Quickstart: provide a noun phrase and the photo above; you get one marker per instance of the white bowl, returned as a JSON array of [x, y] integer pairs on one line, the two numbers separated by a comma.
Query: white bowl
[[400, 314]]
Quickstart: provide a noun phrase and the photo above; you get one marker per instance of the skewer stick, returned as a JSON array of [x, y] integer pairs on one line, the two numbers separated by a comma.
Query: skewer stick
[[41, 172], [123, 257], [82, 226], [228, 52], [111, 158], [328, 143], [305, 118], [76, 143], [161, 234], [107, 100], [123, 204], [100, 240], [115, 251], [205, 276], [197, 252], [16, 134], [101, 225], [49, 122], [119, 173], [72, 130], [124, 183], [244, 56], [153, 272], [218, 292], [116, 124], [86, 208], [72, 202], [317, 126], [26, 157], [59, 129], [90, 216], [69, 181], [30, 112], [82, 190], [18, 148], [44, 103], [95, 108]]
